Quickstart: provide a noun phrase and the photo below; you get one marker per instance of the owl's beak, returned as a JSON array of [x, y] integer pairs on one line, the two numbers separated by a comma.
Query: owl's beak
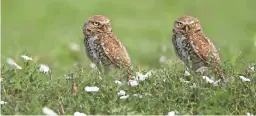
[[186, 28], [105, 28]]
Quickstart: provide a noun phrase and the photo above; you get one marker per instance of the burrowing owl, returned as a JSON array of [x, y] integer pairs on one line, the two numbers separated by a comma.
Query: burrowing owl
[[102, 46], [192, 46]]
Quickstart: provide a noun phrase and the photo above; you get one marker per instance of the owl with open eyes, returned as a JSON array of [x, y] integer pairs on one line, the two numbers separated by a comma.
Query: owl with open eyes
[[103, 47], [193, 47]]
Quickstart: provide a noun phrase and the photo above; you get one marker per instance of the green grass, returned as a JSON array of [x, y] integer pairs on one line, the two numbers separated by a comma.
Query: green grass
[[28, 90], [45, 28]]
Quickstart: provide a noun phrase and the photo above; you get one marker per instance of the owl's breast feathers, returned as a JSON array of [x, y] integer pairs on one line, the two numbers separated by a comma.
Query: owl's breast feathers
[[204, 48], [114, 50]]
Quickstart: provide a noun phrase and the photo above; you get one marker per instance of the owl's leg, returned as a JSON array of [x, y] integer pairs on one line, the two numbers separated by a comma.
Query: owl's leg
[[106, 69], [99, 66], [188, 68]]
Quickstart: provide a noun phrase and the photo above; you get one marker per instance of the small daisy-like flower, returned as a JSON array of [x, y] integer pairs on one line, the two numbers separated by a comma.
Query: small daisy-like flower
[[252, 67], [74, 47], [69, 76], [124, 97], [3, 102], [118, 82], [13, 64], [93, 66], [216, 82], [184, 81], [48, 112], [44, 68], [121, 93], [207, 79], [172, 113], [149, 73], [142, 77], [133, 83], [79, 114], [186, 74], [91, 89], [26, 58], [137, 95], [244, 78], [162, 59]]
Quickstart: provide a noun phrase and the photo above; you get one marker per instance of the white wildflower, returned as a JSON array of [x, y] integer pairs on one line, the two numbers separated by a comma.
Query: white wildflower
[[142, 77], [3, 102], [48, 112], [186, 74], [121, 93], [69, 76], [207, 79], [184, 81], [1, 79], [74, 47], [137, 95], [194, 85], [124, 97], [133, 83], [93, 66], [13, 64], [79, 114], [26, 58], [216, 82], [252, 68], [91, 89], [149, 73], [162, 59], [118, 82], [44, 68], [244, 78], [249, 114], [172, 113]]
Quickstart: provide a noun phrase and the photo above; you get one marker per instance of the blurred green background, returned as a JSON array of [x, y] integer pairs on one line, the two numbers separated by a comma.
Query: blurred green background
[[45, 28]]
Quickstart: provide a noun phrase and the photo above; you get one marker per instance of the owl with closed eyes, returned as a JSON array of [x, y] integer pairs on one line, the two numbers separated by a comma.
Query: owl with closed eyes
[[193, 47], [103, 47]]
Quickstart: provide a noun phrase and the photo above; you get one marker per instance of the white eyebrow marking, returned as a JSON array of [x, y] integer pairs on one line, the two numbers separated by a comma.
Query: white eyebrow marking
[[106, 21], [191, 22]]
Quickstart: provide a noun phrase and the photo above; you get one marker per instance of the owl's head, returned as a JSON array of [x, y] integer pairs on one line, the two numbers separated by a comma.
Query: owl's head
[[187, 24], [97, 24]]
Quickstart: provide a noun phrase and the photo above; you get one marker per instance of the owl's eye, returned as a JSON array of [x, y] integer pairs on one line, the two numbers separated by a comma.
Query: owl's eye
[[179, 23], [95, 23], [193, 24]]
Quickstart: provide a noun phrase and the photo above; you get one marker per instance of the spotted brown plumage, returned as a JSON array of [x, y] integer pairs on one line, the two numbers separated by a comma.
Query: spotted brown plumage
[[192, 46], [103, 47]]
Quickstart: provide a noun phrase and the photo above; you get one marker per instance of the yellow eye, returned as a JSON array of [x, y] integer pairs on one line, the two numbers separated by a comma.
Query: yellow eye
[[95, 23], [194, 24]]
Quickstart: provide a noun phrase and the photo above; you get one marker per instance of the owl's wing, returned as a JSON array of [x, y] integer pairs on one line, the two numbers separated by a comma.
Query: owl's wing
[[205, 49], [174, 45], [114, 50]]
